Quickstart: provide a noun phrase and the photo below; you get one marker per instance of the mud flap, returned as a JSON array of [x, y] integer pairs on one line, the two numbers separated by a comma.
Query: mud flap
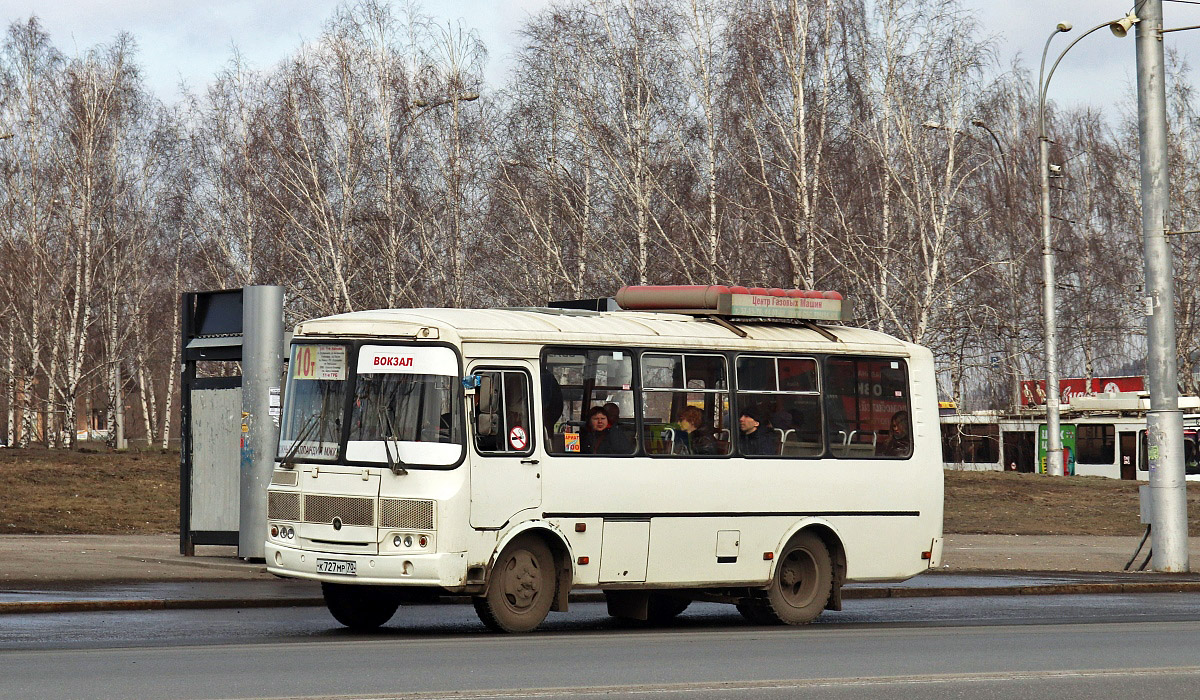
[[630, 605], [835, 597]]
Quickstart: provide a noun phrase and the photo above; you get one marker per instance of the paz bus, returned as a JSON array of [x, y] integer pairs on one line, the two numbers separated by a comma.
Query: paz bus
[[694, 444]]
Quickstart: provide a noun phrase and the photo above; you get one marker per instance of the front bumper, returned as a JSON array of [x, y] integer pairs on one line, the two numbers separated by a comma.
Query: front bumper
[[445, 569]]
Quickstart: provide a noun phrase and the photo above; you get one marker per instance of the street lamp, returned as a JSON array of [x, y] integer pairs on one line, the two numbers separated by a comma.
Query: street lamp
[[1010, 337], [454, 184], [1054, 460]]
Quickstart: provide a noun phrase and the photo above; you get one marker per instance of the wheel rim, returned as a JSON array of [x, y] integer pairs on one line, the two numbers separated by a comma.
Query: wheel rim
[[522, 581], [798, 578]]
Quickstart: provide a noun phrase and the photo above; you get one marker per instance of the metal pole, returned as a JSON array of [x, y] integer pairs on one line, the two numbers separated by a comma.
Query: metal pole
[[262, 367], [1054, 450], [1164, 422], [1054, 461]]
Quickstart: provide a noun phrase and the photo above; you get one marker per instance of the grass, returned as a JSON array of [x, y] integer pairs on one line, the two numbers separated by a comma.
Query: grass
[[1007, 503], [137, 492], [60, 492]]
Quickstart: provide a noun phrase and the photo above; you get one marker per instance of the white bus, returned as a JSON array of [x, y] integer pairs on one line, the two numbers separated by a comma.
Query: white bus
[[515, 455]]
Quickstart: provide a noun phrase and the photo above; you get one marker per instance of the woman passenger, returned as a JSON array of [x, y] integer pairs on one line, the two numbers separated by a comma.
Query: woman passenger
[[692, 439], [602, 437]]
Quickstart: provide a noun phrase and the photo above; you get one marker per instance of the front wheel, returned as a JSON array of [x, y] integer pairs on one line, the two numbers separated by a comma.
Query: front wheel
[[803, 580], [361, 608], [521, 587]]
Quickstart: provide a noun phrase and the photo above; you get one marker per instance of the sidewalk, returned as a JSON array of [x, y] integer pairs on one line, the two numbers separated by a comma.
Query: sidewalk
[[50, 573]]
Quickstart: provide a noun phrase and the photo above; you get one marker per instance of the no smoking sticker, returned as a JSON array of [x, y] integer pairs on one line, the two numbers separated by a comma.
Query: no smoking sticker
[[517, 438]]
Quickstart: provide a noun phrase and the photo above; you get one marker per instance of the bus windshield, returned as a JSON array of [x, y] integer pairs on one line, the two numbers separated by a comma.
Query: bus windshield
[[312, 416], [407, 407]]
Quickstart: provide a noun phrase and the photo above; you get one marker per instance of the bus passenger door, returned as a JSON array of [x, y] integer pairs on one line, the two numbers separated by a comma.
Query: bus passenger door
[[505, 474], [1128, 457]]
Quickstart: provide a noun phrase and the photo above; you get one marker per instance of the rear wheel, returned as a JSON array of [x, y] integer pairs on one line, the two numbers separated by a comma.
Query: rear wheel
[[757, 612], [803, 580], [361, 608], [521, 587]]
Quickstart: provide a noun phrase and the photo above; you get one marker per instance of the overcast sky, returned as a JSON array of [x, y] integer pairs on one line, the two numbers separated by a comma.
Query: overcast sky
[[191, 41]]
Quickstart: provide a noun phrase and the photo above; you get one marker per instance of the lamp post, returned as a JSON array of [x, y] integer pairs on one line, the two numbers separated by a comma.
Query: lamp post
[[453, 185], [1054, 450], [1009, 350], [1010, 330]]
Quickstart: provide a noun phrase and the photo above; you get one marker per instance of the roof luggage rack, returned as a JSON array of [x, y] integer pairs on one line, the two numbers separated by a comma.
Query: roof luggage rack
[[744, 303], [601, 304]]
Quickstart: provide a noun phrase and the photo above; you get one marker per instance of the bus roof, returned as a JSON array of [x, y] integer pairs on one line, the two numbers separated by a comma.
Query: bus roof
[[556, 326]]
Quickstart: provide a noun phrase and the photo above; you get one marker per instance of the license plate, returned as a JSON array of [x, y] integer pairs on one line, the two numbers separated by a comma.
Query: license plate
[[334, 566]]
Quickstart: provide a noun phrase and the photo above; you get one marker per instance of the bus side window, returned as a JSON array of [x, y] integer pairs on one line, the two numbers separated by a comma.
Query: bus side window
[[783, 394], [511, 430], [685, 404], [867, 408], [587, 380]]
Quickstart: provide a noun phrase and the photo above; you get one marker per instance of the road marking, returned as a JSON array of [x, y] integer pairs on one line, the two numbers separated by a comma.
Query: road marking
[[734, 686]]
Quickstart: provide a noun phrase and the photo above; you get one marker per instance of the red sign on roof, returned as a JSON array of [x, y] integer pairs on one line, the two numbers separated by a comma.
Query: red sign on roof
[[1033, 393]]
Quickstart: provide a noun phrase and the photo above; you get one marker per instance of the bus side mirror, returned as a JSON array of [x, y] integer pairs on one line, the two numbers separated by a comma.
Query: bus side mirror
[[488, 394], [487, 424], [487, 417]]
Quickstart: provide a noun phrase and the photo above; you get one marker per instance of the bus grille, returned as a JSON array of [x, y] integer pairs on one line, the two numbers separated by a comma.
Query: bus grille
[[283, 506], [283, 478], [412, 515], [351, 510]]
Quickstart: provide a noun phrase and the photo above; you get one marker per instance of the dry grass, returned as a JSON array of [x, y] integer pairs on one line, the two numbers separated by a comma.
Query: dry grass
[[60, 492], [995, 503]]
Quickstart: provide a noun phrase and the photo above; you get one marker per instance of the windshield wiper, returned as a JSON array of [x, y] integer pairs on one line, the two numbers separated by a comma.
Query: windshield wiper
[[394, 463], [306, 431]]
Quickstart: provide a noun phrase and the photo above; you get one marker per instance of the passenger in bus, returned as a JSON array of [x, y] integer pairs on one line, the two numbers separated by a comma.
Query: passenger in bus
[[898, 443], [692, 438], [756, 439], [602, 437]]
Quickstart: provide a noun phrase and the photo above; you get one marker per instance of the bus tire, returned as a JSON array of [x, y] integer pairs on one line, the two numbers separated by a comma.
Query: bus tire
[[521, 587], [757, 612], [361, 608], [803, 580]]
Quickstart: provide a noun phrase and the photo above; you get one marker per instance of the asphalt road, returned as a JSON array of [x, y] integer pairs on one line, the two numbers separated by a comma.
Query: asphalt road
[[1001, 647]]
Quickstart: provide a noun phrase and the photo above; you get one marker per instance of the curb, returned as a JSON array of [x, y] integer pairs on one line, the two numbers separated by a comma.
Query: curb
[[76, 606], [70, 606], [1048, 589]]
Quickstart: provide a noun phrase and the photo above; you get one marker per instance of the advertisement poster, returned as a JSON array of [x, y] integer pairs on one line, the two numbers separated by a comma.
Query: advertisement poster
[[1033, 393], [1068, 444]]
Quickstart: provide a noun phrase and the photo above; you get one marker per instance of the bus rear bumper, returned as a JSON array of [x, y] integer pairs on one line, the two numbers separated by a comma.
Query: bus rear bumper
[[446, 569], [935, 552]]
